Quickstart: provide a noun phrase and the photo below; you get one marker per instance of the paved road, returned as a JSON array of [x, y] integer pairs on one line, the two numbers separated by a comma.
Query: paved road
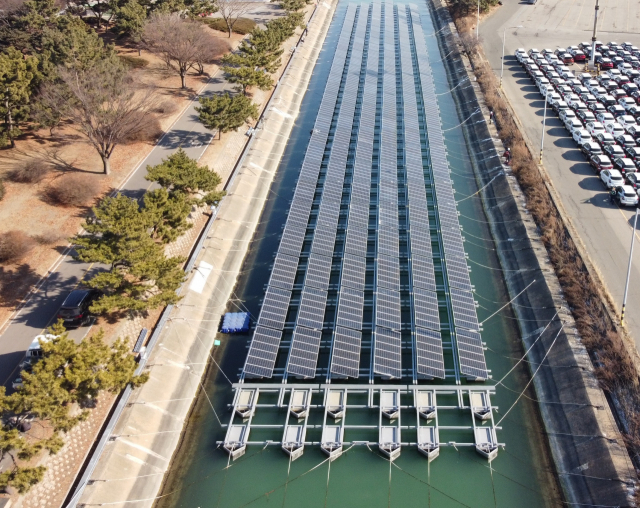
[[604, 229]]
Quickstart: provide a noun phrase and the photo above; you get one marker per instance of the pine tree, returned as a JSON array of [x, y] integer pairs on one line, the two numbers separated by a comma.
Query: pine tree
[[130, 19], [141, 277], [181, 174], [226, 112], [247, 76], [16, 76], [168, 213]]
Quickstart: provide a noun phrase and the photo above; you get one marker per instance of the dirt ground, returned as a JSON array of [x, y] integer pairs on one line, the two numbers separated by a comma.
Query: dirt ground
[[25, 206]]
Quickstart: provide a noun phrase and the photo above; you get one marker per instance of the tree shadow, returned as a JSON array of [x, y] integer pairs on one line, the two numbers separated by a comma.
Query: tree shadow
[[14, 282]]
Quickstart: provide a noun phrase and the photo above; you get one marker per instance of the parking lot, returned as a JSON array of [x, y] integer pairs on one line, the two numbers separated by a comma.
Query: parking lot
[[604, 228]]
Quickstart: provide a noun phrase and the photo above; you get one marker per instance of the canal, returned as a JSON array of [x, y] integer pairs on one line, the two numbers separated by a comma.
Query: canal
[[202, 475]]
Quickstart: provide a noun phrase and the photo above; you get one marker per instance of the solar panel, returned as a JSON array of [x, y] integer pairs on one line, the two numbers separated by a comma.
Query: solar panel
[[318, 271], [284, 271], [422, 273], [303, 356], [345, 357], [388, 309], [261, 358], [356, 241], [425, 309], [387, 360], [324, 240], [312, 307], [274, 308], [429, 356], [464, 309], [350, 308], [388, 242], [471, 354], [388, 273], [292, 240], [353, 272]]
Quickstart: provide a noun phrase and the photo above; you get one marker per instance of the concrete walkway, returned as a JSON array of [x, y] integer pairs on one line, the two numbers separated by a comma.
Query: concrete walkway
[[133, 465]]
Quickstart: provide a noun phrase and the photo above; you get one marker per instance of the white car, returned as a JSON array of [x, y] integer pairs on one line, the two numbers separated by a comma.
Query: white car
[[566, 115], [626, 121], [540, 82], [627, 102], [605, 117], [592, 84], [567, 74], [520, 53], [572, 124], [552, 97], [626, 196], [594, 128], [611, 178], [615, 129], [581, 136]]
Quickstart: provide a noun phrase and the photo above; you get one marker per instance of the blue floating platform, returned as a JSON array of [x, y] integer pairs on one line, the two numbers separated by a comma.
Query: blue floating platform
[[235, 322]]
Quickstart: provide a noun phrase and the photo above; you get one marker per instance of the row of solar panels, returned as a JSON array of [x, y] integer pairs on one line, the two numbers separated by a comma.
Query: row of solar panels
[[468, 340], [303, 354], [262, 353], [347, 335], [426, 318], [387, 320]]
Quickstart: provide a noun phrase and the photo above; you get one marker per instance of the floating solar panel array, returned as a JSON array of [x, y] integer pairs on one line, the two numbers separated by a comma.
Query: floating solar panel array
[[347, 337], [429, 358], [468, 340], [303, 355], [266, 338], [387, 322]]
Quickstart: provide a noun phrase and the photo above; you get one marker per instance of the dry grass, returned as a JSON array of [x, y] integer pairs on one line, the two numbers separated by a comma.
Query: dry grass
[[614, 366], [149, 131], [14, 246], [76, 189]]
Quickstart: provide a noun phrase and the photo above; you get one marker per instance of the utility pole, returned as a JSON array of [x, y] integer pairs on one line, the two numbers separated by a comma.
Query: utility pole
[[626, 286], [593, 39], [504, 39], [544, 121]]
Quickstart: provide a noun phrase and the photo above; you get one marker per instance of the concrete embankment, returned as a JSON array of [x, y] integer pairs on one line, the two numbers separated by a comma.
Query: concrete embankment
[[139, 454], [591, 461]]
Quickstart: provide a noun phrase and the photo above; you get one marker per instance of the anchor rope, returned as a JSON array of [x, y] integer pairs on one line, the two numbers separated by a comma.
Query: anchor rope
[[326, 490], [209, 353], [533, 376], [286, 484]]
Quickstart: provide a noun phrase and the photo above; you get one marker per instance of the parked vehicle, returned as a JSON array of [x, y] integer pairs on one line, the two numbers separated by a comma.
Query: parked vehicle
[[605, 139], [633, 179], [613, 151], [611, 178], [600, 163], [633, 153], [581, 136], [520, 54], [624, 165], [625, 141], [75, 308], [559, 105], [596, 107], [595, 128], [615, 129], [585, 116], [591, 148], [625, 195], [604, 117], [616, 110]]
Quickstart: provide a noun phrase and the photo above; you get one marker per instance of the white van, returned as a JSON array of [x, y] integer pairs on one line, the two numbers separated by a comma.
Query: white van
[[35, 350]]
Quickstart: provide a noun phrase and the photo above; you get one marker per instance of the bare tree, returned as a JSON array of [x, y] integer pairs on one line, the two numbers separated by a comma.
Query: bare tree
[[181, 43], [104, 103], [232, 10]]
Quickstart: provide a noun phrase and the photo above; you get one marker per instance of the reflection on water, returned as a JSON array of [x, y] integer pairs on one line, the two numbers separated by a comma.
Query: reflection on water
[[361, 477]]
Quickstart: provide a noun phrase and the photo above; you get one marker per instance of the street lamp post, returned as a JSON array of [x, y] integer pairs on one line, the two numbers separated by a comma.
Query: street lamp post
[[544, 121], [504, 39], [626, 286], [593, 39], [478, 23]]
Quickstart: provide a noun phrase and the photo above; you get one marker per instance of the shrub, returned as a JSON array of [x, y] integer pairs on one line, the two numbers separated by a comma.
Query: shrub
[[165, 108], [135, 62], [149, 130], [75, 189], [243, 26], [3, 190], [31, 171], [15, 245]]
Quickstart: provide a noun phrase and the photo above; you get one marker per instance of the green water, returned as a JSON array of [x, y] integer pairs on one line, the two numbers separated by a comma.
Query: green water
[[518, 477]]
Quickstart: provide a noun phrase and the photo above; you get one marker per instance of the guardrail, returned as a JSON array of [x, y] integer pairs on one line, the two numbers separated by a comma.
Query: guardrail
[[126, 394]]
